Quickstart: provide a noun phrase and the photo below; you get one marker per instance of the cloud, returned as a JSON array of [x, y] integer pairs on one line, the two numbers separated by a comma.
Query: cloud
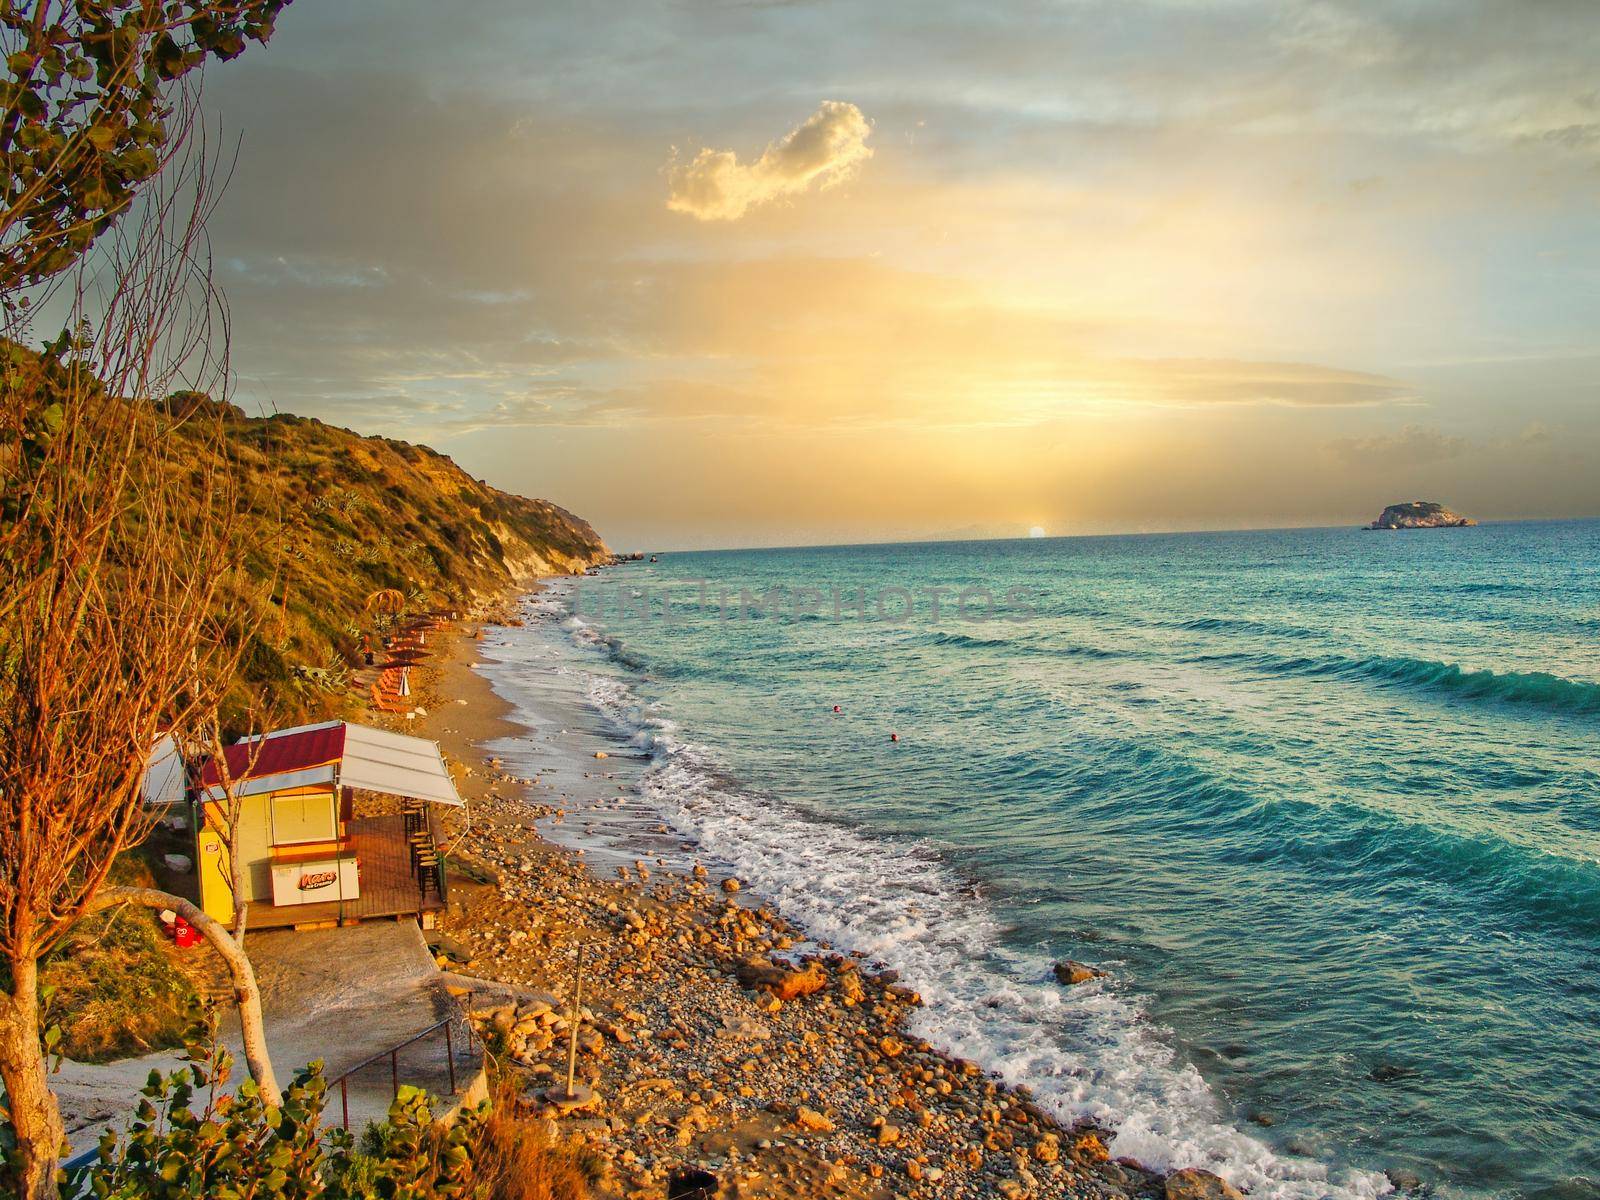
[[824, 149], [1413, 446], [1280, 384]]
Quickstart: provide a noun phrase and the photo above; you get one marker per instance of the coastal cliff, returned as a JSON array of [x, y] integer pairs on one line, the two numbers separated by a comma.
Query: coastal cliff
[[1420, 514], [327, 517]]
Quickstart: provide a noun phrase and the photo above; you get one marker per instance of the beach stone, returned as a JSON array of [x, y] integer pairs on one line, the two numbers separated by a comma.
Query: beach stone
[[850, 989], [811, 1120], [1192, 1183], [730, 885], [1089, 1147], [784, 984], [1069, 972]]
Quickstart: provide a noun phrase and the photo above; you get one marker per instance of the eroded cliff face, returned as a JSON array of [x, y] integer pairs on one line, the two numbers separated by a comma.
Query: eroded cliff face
[[1419, 514]]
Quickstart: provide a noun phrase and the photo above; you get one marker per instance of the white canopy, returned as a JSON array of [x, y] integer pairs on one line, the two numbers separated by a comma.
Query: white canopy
[[164, 782], [376, 760], [339, 754]]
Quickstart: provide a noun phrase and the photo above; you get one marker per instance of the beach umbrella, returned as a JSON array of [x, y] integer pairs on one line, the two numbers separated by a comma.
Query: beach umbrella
[[405, 681]]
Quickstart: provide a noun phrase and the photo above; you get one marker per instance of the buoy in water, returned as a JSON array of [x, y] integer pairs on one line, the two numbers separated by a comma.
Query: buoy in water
[[836, 708], [894, 737]]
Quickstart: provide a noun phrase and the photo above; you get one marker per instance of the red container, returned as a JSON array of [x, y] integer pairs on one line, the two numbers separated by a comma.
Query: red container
[[184, 935]]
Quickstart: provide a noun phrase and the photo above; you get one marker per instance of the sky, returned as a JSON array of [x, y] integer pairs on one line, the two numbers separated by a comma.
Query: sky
[[712, 273]]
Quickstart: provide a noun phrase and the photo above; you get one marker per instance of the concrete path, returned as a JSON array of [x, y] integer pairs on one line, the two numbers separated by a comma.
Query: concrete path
[[339, 995]]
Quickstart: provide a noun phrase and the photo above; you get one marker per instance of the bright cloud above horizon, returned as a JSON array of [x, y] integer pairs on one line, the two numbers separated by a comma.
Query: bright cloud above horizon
[[823, 151], [914, 268]]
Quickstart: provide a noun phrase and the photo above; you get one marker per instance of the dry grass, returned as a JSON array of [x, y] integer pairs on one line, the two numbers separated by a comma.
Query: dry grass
[[118, 988], [517, 1161]]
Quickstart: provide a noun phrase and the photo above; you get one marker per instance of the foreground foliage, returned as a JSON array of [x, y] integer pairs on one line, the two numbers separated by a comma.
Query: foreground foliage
[[87, 114], [194, 1138]]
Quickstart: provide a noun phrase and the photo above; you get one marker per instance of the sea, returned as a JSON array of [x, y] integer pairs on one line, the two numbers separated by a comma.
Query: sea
[[1323, 804]]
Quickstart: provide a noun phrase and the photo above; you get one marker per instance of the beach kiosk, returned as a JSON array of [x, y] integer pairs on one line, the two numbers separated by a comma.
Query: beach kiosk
[[309, 860]]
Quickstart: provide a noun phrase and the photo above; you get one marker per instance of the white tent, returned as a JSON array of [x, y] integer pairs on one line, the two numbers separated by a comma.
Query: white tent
[[164, 783]]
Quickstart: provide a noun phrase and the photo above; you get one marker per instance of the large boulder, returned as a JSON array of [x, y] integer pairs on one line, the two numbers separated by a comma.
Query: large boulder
[[1070, 972], [1192, 1183], [782, 982]]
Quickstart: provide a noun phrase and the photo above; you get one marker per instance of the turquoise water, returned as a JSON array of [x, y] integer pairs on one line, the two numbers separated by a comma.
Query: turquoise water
[[1326, 805]]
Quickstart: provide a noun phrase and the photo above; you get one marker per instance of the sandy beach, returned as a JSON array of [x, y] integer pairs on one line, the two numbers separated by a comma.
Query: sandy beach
[[707, 1043]]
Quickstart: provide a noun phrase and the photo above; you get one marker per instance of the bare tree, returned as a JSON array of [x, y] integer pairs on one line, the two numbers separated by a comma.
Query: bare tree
[[116, 559], [246, 993]]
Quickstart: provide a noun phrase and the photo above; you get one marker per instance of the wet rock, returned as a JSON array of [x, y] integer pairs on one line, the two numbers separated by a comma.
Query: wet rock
[[1403, 1180], [730, 885], [1192, 1183], [1088, 1147], [1391, 1073], [850, 990], [1069, 972]]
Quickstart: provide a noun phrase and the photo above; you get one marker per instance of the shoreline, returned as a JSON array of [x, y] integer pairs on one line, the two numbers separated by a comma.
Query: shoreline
[[784, 1078]]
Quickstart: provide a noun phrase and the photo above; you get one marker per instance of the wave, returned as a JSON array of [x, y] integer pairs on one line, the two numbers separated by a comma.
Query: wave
[[609, 643], [1238, 625], [1087, 1053], [1536, 688], [1016, 646], [1168, 796]]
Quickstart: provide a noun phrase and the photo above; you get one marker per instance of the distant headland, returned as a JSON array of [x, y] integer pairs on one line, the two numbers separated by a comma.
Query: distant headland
[[1420, 514]]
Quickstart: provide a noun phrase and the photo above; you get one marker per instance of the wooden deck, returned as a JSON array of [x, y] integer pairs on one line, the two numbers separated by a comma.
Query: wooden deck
[[388, 889]]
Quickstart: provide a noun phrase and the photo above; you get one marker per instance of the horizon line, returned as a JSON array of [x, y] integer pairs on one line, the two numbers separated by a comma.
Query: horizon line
[[1068, 537]]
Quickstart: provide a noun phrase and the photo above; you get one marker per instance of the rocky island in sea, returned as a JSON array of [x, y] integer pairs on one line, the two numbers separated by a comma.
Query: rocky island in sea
[[1420, 514]]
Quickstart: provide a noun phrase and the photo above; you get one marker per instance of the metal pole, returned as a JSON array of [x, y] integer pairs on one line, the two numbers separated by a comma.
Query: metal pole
[[394, 1071], [572, 1024], [344, 1101], [450, 1057]]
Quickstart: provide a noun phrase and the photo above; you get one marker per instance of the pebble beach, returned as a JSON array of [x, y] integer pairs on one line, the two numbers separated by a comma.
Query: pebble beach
[[714, 1037]]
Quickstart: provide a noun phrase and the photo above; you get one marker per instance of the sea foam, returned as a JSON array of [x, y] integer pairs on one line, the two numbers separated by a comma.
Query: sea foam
[[1089, 1052]]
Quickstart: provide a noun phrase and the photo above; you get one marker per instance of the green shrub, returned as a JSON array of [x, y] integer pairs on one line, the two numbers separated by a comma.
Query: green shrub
[[192, 1138]]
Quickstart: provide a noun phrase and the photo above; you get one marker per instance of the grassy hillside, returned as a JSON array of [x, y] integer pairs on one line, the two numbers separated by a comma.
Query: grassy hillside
[[329, 517], [324, 519]]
